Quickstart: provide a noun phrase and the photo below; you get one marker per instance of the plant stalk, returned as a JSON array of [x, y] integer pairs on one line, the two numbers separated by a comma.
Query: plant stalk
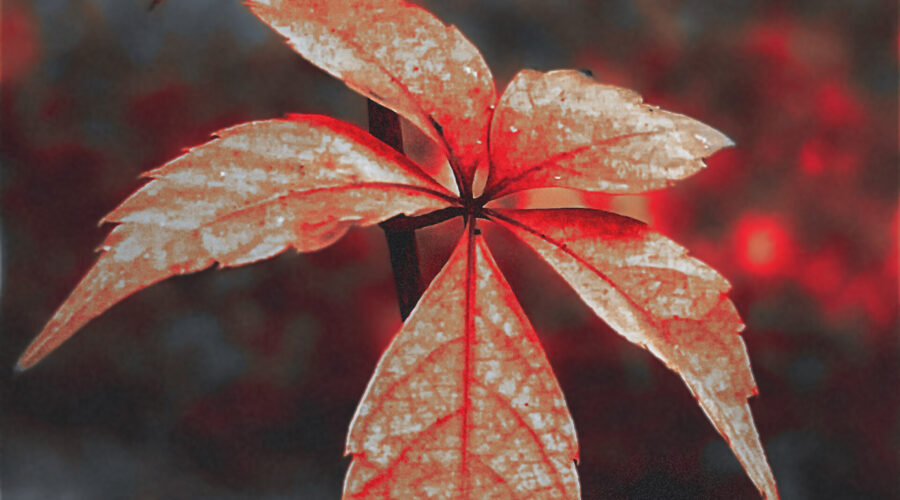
[[384, 124]]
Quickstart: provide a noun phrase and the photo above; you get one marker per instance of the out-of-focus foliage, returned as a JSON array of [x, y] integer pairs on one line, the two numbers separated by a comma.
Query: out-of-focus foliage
[[240, 383]]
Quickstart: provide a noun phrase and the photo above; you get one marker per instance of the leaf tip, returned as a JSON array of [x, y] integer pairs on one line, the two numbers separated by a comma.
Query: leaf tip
[[717, 139], [24, 363], [727, 142]]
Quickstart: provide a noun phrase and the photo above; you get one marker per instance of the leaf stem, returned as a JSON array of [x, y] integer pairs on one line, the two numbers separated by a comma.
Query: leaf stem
[[411, 223], [400, 233]]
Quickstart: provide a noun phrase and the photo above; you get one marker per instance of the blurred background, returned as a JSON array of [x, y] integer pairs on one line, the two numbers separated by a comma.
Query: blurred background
[[241, 383]]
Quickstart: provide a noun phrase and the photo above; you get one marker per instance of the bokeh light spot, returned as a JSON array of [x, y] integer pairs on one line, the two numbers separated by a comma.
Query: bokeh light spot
[[763, 244], [20, 43], [812, 158]]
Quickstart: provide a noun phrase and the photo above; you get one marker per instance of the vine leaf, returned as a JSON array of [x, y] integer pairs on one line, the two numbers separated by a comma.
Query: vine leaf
[[463, 404], [402, 57], [564, 129], [650, 291], [249, 194]]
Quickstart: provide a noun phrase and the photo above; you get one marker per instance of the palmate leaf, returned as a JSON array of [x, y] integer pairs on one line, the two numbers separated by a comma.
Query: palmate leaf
[[402, 57], [564, 129], [464, 404], [247, 195], [650, 291]]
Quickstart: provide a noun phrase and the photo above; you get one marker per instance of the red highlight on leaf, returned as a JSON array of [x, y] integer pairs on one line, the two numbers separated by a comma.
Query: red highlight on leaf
[[564, 129], [463, 403], [402, 57], [256, 190], [650, 291]]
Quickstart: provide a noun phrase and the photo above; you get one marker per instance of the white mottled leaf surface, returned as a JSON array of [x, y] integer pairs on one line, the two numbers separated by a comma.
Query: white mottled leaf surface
[[563, 129], [649, 290], [464, 404], [256, 190], [402, 57]]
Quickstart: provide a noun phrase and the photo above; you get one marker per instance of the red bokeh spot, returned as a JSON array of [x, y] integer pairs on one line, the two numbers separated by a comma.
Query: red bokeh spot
[[863, 296], [812, 158], [838, 106], [20, 43], [771, 42], [823, 274], [763, 244]]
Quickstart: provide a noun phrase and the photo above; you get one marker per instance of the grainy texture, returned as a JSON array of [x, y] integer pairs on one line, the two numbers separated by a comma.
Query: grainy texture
[[479, 413], [649, 290], [402, 57], [256, 190], [464, 404], [801, 218], [565, 129]]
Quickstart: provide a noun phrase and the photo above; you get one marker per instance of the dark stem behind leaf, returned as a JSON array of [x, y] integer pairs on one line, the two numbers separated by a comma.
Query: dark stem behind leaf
[[384, 124]]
